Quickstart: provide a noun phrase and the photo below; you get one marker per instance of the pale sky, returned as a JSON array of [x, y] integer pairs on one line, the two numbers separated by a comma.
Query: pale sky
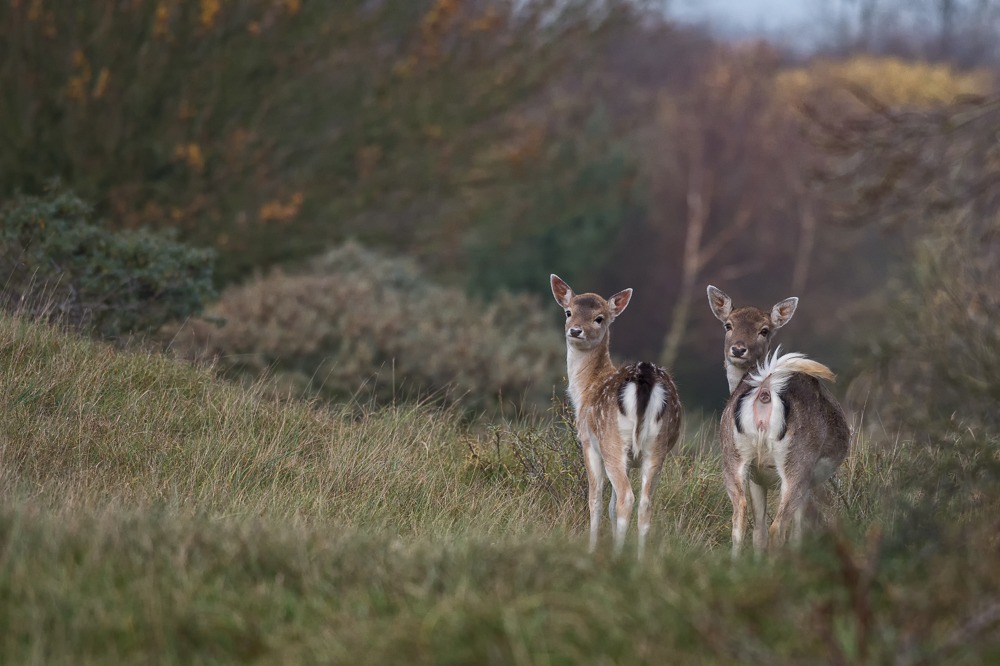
[[782, 18]]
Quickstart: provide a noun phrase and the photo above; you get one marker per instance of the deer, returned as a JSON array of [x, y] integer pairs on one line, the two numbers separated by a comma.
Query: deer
[[781, 426], [625, 417]]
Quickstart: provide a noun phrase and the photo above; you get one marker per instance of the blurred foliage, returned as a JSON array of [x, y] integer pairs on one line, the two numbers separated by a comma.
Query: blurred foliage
[[265, 127], [936, 356], [568, 221], [355, 322], [931, 352], [55, 260], [891, 81]]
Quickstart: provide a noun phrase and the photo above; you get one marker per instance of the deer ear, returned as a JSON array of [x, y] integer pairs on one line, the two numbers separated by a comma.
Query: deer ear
[[783, 311], [720, 303], [561, 291], [619, 302]]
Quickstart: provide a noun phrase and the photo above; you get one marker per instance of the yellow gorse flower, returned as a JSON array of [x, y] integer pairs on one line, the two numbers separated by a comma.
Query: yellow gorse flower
[[274, 210], [209, 11], [160, 27]]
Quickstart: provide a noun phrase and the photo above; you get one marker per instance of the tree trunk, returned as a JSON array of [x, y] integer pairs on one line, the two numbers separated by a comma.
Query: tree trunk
[[807, 240], [699, 196]]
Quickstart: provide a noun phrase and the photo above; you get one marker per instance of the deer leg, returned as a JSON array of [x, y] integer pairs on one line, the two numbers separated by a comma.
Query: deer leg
[[758, 497], [794, 495], [595, 490], [624, 498], [652, 467], [613, 512], [797, 516], [738, 496]]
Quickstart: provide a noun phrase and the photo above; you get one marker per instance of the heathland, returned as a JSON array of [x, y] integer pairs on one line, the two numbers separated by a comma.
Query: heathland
[[153, 513]]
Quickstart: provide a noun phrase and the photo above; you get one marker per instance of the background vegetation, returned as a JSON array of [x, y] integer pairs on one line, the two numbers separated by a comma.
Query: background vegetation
[[354, 324]]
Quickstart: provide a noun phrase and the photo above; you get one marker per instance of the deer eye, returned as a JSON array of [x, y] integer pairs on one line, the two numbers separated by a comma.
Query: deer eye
[[600, 319], [568, 314], [729, 326], [764, 332]]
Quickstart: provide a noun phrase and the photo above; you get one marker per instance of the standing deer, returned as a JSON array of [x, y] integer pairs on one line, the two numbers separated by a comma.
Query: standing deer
[[780, 426], [629, 416]]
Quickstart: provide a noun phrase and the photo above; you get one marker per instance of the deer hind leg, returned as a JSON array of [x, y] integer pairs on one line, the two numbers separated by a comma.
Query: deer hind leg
[[623, 495], [738, 496], [758, 497], [595, 490], [791, 509], [652, 467]]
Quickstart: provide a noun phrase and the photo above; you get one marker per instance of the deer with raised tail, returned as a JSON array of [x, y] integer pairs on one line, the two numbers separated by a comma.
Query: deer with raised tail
[[781, 427], [625, 417]]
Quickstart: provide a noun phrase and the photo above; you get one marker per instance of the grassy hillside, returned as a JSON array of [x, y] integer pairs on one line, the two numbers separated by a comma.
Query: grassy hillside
[[151, 513]]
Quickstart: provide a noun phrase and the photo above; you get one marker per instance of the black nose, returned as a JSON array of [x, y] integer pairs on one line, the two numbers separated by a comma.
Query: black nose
[[575, 332], [738, 352]]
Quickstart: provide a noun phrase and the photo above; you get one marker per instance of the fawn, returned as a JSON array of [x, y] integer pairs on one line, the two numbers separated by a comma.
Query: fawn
[[625, 417], [780, 426]]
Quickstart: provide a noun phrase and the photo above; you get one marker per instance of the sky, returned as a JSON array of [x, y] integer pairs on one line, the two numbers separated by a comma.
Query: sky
[[781, 18]]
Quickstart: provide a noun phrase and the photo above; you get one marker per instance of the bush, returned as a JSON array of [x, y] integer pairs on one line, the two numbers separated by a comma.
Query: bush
[[932, 352], [117, 284], [936, 358], [355, 322]]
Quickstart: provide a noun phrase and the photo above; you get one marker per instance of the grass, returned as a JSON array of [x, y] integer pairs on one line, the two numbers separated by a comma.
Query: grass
[[151, 513]]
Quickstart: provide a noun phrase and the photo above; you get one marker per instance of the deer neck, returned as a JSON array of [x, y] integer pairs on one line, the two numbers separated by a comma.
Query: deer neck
[[734, 374], [586, 368]]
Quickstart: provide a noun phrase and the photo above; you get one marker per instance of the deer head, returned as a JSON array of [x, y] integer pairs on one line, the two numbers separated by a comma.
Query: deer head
[[588, 316], [748, 331]]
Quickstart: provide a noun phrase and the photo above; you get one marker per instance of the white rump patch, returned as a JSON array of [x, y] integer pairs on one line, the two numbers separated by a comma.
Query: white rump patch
[[630, 399], [654, 412], [640, 442]]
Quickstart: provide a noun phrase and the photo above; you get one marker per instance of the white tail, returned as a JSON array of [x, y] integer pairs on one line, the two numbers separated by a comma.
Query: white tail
[[779, 369], [628, 415]]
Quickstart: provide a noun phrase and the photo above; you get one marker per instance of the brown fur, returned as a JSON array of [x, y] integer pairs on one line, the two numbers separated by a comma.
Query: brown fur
[[816, 439], [596, 389]]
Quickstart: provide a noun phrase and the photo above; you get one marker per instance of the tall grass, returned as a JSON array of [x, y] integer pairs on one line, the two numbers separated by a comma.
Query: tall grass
[[86, 426], [151, 513]]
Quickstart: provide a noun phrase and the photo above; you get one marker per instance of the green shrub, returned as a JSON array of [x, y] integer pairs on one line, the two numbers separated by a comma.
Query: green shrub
[[355, 321], [55, 259]]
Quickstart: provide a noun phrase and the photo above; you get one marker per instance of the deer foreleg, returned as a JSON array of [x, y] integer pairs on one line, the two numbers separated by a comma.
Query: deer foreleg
[[595, 490], [613, 512]]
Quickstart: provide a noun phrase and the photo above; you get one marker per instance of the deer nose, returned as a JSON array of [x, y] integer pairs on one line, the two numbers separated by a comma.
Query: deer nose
[[575, 332], [738, 352]]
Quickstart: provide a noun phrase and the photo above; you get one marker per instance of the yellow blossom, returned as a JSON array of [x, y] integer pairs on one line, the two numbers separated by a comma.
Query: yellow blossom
[[160, 27], [209, 10], [191, 154], [102, 83], [275, 210]]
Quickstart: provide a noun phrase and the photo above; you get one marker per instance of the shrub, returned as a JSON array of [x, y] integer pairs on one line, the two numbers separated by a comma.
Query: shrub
[[123, 283], [932, 352], [355, 321], [936, 358]]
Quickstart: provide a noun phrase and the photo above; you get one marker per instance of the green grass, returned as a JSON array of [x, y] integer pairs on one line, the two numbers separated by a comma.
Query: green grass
[[150, 513]]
